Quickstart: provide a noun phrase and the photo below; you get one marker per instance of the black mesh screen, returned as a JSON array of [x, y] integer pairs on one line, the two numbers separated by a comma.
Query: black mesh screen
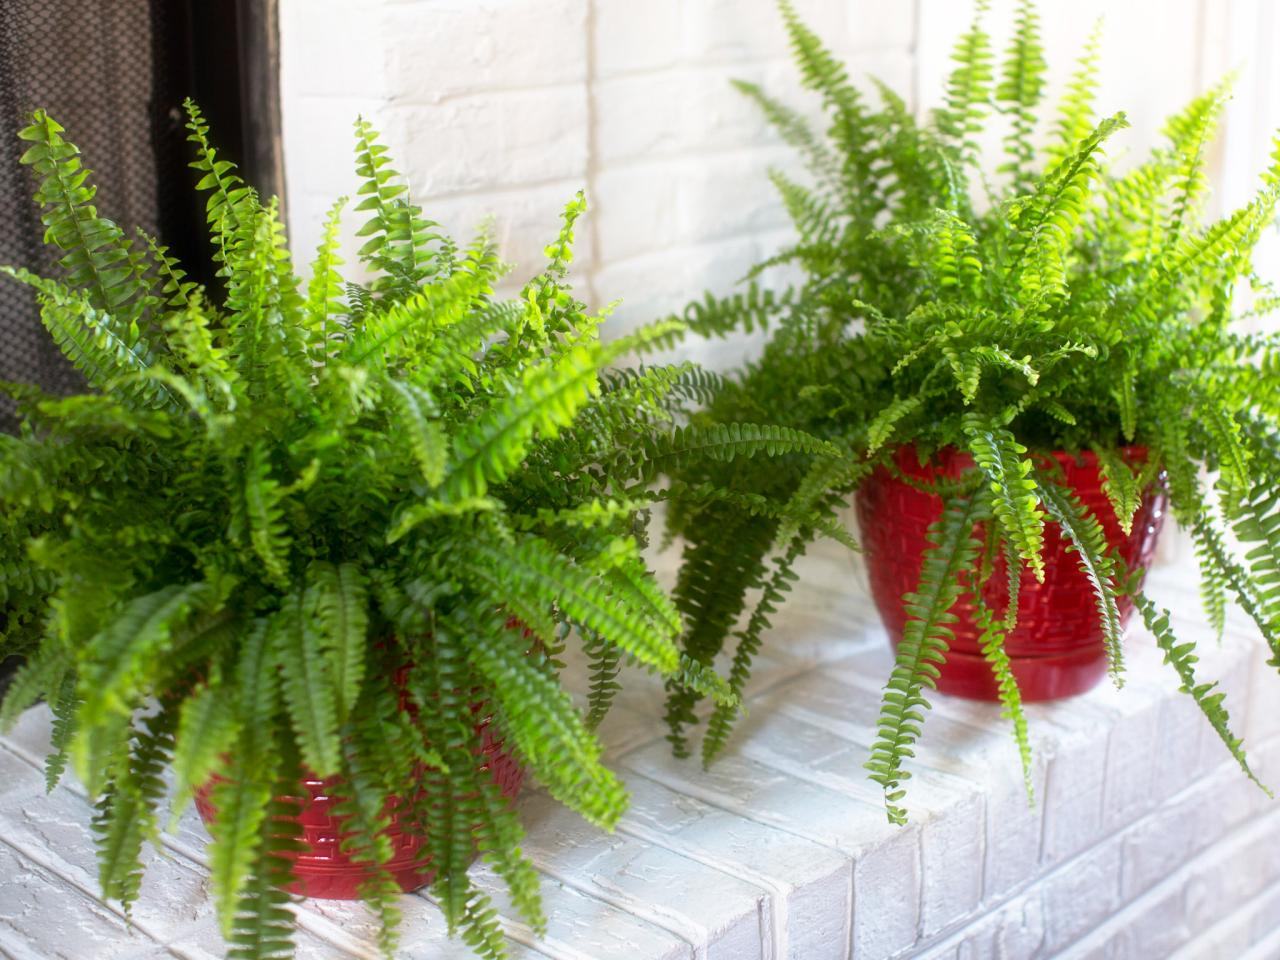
[[91, 64], [114, 73]]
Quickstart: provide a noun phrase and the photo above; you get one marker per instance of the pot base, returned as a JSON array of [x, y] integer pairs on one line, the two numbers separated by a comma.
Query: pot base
[[1039, 678]]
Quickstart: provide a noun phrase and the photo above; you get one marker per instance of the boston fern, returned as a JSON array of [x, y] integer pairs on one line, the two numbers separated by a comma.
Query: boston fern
[[1057, 305], [328, 527]]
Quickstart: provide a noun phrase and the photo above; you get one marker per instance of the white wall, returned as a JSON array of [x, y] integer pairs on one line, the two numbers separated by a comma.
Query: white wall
[[504, 108]]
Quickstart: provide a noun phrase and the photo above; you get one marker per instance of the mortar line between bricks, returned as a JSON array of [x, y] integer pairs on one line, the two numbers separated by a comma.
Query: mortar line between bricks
[[677, 926], [776, 890], [14, 948], [1251, 826], [513, 929], [727, 804], [1187, 950], [681, 157], [685, 68], [958, 928], [1267, 948], [37, 858], [320, 926]]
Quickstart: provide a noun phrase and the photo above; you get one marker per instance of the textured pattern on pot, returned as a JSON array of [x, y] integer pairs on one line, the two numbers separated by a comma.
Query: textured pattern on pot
[[322, 871], [1057, 649]]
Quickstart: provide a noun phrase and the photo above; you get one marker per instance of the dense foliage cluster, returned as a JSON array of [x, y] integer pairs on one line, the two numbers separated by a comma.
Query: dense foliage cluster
[[1057, 305], [218, 560]]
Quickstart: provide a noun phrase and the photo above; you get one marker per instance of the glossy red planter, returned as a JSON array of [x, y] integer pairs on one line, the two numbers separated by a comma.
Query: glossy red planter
[[1057, 648], [322, 871]]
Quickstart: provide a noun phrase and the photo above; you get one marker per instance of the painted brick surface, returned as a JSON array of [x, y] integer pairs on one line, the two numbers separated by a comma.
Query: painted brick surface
[[781, 851]]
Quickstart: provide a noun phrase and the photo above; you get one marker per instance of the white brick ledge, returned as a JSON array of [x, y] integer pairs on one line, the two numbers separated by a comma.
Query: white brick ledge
[[1145, 839]]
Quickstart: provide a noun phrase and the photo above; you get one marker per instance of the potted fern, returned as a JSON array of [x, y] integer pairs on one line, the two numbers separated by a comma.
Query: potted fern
[[1023, 372], [315, 548]]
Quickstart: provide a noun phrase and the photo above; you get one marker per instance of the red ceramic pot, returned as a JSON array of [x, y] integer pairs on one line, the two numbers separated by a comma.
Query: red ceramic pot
[[322, 871], [1057, 649]]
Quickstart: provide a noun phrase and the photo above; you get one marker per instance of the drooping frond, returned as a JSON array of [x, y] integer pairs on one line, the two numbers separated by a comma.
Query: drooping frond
[[1181, 656], [992, 640], [1014, 494], [923, 648], [1089, 542]]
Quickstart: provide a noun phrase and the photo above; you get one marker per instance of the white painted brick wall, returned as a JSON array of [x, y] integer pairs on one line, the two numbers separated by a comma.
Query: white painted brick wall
[[504, 108]]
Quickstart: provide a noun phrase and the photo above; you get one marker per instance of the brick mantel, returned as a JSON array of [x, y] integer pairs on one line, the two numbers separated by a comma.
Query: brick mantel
[[1145, 839]]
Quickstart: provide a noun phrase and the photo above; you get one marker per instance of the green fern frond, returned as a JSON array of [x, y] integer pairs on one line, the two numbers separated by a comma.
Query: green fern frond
[[962, 118], [991, 641], [117, 661], [604, 663], [923, 648], [98, 258], [1047, 219], [795, 130], [748, 645], [324, 290], [418, 414], [1121, 485], [110, 358], [1014, 491], [310, 694], [540, 717], [338, 593], [266, 527], [208, 725], [40, 673], [232, 207], [542, 402], [1181, 656], [126, 812], [730, 441], [64, 702], [539, 570], [399, 238], [264, 923], [756, 308], [1021, 86], [1089, 541], [1075, 111]]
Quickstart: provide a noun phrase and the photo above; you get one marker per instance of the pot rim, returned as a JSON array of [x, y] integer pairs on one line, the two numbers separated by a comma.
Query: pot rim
[[953, 460]]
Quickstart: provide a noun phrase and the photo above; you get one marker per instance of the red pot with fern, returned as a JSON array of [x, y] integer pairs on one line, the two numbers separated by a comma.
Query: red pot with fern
[[1056, 649], [322, 870]]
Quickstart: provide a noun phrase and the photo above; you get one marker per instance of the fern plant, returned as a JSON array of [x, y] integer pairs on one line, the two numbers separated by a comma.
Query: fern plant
[[283, 514], [1007, 308]]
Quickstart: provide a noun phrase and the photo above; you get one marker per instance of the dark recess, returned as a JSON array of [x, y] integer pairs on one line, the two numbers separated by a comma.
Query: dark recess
[[115, 73]]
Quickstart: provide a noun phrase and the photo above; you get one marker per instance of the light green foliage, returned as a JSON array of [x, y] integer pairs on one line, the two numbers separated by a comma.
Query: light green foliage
[[273, 502], [1003, 307]]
